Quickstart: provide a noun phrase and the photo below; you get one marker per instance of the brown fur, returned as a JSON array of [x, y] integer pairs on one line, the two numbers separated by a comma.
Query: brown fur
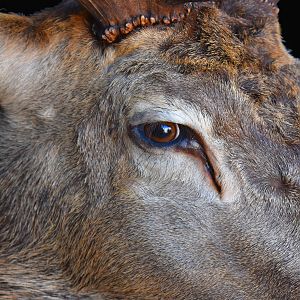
[[86, 213]]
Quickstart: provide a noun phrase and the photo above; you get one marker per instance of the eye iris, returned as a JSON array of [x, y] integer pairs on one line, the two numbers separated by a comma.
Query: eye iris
[[162, 132]]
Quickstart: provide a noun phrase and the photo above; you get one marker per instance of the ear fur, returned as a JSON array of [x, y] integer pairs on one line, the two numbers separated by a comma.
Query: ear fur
[[12, 27]]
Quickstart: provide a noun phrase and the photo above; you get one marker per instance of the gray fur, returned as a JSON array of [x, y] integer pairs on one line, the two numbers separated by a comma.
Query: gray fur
[[86, 213]]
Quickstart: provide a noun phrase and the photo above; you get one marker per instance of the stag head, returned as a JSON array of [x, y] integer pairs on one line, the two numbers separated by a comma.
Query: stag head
[[162, 165]]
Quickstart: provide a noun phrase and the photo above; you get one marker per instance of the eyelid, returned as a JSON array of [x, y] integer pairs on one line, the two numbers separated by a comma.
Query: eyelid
[[157, 115]]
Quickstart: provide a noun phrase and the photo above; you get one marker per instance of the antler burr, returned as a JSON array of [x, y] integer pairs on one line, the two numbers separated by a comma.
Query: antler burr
[[121, 17]]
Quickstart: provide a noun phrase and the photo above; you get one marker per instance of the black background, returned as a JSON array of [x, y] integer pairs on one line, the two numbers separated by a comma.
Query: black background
[[288, 18]]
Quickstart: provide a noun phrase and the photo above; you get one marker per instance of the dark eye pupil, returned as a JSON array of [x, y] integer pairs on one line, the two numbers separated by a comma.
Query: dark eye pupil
[[161, 132]]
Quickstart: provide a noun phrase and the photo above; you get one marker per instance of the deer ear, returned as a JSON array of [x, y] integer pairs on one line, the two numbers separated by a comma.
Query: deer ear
[[26, 45], [14, 32]]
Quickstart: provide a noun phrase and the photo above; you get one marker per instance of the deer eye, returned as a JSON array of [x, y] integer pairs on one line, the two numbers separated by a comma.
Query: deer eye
[[160, 134]]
